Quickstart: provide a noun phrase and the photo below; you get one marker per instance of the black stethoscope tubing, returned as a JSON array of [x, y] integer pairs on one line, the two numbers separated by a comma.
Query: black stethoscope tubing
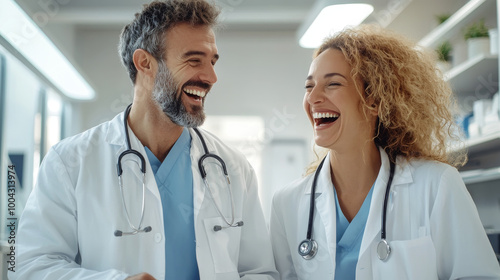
[[308, 247], [203, 173], [207, 155]]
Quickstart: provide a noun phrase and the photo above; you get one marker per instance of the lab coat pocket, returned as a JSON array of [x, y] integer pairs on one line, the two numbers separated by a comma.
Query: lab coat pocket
[[224, 245], [409, 259]]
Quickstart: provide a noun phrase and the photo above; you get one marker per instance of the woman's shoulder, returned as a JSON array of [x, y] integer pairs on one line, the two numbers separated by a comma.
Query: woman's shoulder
[[433, 176], [430, 168]]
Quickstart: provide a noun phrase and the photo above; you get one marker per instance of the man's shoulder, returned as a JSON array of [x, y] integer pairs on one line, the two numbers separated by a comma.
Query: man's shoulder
[[87, 140]]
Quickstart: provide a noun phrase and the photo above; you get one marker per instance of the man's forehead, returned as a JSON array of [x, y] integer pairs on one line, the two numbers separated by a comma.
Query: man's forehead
[[185, 39], [186, 33]]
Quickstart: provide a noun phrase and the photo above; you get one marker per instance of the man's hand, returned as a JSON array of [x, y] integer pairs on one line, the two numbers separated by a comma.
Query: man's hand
[[141, 276]]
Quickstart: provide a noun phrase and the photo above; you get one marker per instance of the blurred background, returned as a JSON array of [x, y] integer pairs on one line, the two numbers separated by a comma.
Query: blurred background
[[256, 105]]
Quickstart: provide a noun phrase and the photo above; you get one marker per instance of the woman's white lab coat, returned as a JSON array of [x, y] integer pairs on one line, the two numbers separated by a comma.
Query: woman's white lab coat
[[66, 230], [433, 227]]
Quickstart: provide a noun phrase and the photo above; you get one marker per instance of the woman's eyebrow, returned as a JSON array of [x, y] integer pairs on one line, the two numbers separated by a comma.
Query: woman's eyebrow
[[328, 75]]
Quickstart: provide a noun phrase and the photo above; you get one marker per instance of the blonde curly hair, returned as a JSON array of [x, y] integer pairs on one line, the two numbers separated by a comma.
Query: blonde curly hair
[[413, 100]]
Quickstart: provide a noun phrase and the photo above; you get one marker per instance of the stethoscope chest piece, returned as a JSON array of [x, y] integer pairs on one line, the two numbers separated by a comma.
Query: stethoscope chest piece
[[308, 249], [383, 250]]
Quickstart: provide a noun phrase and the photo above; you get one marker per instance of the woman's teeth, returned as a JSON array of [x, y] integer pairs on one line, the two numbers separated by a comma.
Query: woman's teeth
[[196, 92], [325, 115]]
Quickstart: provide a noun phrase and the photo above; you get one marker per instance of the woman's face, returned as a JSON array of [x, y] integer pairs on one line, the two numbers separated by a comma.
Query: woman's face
[[334, 106]]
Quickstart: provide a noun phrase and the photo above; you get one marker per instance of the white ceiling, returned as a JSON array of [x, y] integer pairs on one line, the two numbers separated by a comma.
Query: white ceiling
[[273, 13], [60, 17]]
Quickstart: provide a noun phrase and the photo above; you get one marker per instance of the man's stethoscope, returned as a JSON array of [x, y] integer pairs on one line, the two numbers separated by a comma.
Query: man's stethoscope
[[129, 150], [309, 247]]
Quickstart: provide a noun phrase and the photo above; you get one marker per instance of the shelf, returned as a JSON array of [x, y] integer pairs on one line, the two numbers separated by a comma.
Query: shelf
[[483, 143], [480, 175], [478, 74], [473, 10]]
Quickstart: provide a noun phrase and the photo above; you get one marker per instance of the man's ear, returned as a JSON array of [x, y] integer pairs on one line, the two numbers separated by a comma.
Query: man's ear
[[144, 62]]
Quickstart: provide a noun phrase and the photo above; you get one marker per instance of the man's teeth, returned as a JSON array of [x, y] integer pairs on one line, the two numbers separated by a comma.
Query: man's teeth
[[325, 115], [196, 92]]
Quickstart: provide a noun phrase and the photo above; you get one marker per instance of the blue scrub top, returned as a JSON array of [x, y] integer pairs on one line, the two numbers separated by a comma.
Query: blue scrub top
[[349, 237], [175, 183]]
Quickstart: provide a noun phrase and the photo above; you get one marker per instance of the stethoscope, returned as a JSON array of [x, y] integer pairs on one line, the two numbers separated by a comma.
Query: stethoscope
[[129, 150], [309, 247]]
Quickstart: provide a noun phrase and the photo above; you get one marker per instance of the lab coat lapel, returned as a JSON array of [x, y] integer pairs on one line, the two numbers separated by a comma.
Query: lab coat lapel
[[198, 184], [116, 136], [373, 227], [374, 221], [325, 206]]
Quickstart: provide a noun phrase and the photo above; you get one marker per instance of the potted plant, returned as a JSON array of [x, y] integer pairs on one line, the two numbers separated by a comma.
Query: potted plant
[[444, 56], [477, 37], [442, 18]]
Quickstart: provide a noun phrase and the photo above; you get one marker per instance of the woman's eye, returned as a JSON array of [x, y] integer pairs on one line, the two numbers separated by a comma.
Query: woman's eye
[[333, 84]]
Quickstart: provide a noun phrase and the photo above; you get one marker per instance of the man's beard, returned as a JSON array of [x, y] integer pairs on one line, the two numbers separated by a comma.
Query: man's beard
[[164, 94]]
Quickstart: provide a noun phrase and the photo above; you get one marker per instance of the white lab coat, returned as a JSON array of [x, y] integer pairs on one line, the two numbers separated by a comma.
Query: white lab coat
[[433, 227], [66, 230]]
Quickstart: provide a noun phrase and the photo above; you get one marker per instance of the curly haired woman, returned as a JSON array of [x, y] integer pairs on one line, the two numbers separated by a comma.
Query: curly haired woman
[[381, 110]]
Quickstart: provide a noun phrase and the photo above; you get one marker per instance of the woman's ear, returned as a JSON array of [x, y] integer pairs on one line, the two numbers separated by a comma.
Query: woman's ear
[[373, 106]]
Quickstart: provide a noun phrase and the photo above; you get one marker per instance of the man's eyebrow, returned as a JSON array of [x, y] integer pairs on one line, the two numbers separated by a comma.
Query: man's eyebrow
[[191, 53], [328, 75]]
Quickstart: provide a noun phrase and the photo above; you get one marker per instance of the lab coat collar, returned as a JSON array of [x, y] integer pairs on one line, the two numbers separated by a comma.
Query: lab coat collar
[[116, 136], [115, 133], [324, 179]]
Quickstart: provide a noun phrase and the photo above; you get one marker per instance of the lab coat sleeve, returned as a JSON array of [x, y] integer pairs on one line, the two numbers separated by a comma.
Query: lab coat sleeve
[[462, 247], [256, 256], [282, 253], [47, 240]]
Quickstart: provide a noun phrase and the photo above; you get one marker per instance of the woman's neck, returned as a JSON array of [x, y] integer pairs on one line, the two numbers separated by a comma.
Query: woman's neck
[[353, 174]]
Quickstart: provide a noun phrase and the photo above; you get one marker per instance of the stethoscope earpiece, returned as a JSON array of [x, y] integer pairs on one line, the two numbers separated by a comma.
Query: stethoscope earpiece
[[308, 248]]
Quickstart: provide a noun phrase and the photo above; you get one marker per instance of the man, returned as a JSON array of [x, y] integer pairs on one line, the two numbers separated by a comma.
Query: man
[[94, 214]]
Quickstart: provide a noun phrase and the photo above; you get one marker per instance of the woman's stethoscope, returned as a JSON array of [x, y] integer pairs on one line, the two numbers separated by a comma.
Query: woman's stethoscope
[[309, 247], [129, 150]]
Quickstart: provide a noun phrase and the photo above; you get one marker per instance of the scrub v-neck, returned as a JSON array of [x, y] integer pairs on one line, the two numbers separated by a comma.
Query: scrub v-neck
[[349, 237]]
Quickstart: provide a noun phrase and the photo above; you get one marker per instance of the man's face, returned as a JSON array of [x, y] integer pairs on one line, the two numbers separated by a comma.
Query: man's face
[[184, 80]]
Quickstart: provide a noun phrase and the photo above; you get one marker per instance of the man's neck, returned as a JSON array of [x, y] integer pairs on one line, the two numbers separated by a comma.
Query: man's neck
[[153, 128]]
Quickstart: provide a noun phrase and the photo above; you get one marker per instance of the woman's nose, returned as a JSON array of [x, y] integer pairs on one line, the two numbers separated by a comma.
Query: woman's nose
[[315, 96]]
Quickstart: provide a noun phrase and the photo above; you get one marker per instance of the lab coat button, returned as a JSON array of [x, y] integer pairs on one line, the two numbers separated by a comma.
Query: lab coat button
[[157, 237]]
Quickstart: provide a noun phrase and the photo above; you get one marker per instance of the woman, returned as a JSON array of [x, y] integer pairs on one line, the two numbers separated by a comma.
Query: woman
[[374, 99]]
